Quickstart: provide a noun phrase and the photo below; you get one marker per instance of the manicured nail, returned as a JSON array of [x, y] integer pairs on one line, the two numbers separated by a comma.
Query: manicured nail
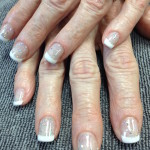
[[87, 141], [46, 130], [112, 40], [19, 52], [54, 53], [18, 98], [130, 131], [6, 33]]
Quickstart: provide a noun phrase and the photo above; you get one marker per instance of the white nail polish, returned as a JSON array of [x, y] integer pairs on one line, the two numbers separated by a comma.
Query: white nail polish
[[46, 130], [18, 98], [87, 141], [130, 132], [54, 53], [111, 40], [6, 33], [19, 52]]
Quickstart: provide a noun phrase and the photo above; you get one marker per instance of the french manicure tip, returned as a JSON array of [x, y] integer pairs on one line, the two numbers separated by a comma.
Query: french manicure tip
[[12, 56], [49, 58], [45, 138], [3, 39], [130, 140], [17, 103], [108, 44]]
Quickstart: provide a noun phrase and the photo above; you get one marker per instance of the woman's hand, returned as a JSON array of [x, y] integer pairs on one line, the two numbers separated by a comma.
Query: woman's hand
[[123, 82], [31, 22]]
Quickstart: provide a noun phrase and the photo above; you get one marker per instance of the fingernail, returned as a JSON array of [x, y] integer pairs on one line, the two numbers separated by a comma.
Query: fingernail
[[46, 130], [130, 131], [54, 53], [6, 33], [112, 40], [19, 52], [87, 141], [18, 98]]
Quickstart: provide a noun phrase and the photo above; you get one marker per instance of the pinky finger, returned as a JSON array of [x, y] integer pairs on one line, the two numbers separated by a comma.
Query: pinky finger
[[24, 85]]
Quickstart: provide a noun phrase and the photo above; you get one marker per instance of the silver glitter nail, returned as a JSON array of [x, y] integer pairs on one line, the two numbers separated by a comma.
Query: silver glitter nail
[[112, 40], [6, 33], [18, 98], [87, 141], [19, 52], [54, 53], [46, 130], [130, 131]]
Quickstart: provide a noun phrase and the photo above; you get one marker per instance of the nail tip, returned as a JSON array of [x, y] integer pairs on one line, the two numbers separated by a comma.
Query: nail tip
[[49, 59], [130, 140], [45, 138], [14, 58], [108, 44], [3, 39], [17, 103]]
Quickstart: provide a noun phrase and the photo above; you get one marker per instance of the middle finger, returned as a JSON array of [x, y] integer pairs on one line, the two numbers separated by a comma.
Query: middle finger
[[85, 84]]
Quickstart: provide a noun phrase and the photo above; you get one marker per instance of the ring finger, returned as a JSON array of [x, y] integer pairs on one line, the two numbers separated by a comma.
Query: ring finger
[[48, 105]]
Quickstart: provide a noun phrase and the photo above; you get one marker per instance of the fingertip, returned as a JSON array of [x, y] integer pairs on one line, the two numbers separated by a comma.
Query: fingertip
[[3, 39], [49, 58], [129, 140], [23, 93], [87, 140], [19, 52], [108, 43], [13, 57], [45, 138], [130, 130], [19, 103], [46, 131], [111, 40], [6, 32]]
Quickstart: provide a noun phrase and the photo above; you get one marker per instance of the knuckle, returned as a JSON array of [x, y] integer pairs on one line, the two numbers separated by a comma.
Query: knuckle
[[139, 5], [127, 102], [36, 29], [130, 21], [23, 75], [56, 70], [96, 6], [119, 61], [88, 112], [57, 4], [84, 68]]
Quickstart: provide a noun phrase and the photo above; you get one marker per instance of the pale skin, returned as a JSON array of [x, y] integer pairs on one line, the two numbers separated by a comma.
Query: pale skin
[[123, 83], [32, 21]]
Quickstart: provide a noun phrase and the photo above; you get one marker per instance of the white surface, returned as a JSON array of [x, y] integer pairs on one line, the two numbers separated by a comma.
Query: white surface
[[3, 39], [108, 44], [49, 59], [14, 58], [130, 140], [45, 138], [17, 103]]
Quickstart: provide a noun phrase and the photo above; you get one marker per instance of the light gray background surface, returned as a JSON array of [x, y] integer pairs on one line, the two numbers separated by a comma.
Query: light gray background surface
[[17, 124]]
